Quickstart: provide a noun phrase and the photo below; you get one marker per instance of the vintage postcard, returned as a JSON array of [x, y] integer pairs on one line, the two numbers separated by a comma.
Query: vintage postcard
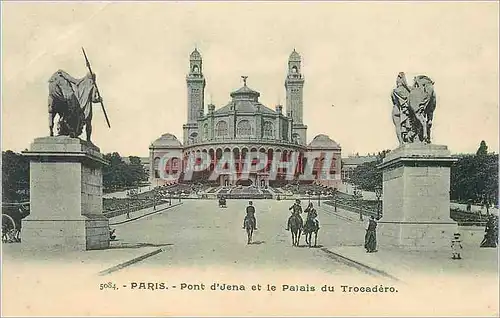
[[250, 158]]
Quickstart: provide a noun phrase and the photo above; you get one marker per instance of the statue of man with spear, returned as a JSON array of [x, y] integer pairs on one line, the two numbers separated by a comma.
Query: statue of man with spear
[[72, 99]]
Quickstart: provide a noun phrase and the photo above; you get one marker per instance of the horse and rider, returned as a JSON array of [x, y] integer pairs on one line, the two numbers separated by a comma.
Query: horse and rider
[[250, 216], [312, 225], [296, 225], [296, 209], [311, 221], [250, 223]]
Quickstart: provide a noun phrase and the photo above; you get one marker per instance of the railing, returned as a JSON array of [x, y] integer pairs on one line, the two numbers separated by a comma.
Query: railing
[[351, 208]]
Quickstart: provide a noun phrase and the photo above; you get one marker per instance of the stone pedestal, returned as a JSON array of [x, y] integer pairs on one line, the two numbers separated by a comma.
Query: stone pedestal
[[65, 196], [416, 198]]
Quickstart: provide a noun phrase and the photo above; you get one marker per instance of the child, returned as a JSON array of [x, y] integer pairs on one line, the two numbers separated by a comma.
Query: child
[[456, 246]]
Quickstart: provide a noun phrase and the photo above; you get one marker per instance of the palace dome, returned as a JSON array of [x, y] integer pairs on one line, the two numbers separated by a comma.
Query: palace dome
[[245, 100], [167, 140], [323, 141]]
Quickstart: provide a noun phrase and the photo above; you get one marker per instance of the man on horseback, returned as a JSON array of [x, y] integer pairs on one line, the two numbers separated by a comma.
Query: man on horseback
[[312, 215], [250, 215], [296, 211]]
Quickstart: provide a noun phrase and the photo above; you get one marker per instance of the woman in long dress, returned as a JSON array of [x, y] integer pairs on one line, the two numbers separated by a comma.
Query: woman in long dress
[[371, 236]]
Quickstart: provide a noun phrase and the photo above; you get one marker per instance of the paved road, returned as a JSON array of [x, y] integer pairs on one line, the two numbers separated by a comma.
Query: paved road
[[201, 234], [205, 245]]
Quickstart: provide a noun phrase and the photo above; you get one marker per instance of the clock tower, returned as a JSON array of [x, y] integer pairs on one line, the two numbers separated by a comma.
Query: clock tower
[[195, 97], [294, 85]]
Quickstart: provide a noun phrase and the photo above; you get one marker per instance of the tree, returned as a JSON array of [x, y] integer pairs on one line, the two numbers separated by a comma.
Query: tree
[[367, 176], [463, 179], [138, 173], [15, 176], [475, 178], [119, 174], [483, 149], [114, 174]]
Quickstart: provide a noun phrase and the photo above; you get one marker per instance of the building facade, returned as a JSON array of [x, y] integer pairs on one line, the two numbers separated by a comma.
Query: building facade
[[241, 127]]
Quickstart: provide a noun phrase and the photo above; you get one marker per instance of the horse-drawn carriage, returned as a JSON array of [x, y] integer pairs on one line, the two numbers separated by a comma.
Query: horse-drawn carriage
[[11, 222], [10, 233]]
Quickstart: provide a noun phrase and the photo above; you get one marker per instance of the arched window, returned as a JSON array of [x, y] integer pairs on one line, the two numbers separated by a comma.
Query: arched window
[[268, 129], [244, 128], [193, 138], [294, 70], [221, 128]]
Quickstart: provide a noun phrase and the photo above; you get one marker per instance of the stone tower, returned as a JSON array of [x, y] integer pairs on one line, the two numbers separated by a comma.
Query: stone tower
[[294, 85], [195, 97]]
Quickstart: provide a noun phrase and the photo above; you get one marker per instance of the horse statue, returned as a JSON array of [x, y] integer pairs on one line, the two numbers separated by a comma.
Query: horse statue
[[296, 227], [71, 99], [249, 226], [311, 227], [413, 109]]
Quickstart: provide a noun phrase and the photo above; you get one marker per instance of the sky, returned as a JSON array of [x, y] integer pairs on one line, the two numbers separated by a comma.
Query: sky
[[351, 55]]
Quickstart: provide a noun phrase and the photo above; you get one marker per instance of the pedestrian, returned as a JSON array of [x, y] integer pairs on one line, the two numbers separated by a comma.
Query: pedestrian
[[491, 233], [371, 235], [112, 235], [456, 246]]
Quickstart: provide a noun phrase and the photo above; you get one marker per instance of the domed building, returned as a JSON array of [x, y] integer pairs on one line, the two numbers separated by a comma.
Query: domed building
[[324, 144], [242, 126]]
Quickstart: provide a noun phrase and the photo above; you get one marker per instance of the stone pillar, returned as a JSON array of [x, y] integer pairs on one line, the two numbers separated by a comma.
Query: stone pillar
[[416, 198], [258, 124], [240, 162], [277, 125], [65, 196]]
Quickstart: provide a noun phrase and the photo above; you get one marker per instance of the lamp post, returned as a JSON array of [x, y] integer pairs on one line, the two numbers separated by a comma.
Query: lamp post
[[169, 197], [356, 198], [378, 193], [180, 193], [487, 204], [128, 204], [335, 199], [319, 197], [154, 199]]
